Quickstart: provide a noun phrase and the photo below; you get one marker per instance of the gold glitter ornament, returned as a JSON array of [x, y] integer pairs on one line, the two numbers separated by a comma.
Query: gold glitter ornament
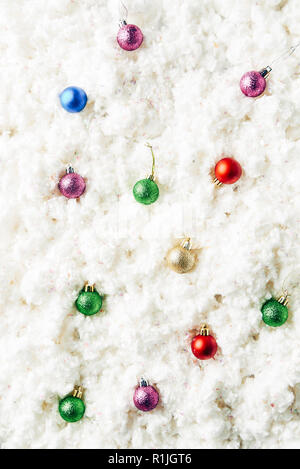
[[181, 258]]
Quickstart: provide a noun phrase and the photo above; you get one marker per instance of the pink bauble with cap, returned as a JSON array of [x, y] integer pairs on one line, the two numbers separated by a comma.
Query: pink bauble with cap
[[145, 397], [129, 37], [71, 185], [253, 83]]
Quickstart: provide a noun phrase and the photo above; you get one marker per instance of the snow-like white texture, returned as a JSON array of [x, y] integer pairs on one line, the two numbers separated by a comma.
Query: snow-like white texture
[[179, 91]]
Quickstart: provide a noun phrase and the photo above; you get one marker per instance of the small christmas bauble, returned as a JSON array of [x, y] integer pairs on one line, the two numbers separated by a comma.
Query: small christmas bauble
[[145, 397], [227, 171], [204, 345], [129, 37], [72, 408], [181, 258], [253, 84], [71, 185], [73, 99], [146, 191], [89, 301], [275, 312]]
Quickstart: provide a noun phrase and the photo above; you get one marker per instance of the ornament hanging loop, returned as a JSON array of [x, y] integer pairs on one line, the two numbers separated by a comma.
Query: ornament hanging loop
[[292, 280], [285, 54], [266, 70], [153, 161], [123, 13]]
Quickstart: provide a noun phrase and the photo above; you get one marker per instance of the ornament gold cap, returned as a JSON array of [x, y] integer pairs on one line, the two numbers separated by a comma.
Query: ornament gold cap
[[77, 392], [264, 72], [88, 287], [217, 182], [283, 299], [204, 330]]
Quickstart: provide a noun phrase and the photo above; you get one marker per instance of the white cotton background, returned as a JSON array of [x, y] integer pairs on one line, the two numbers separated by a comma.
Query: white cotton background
[[180, 92]]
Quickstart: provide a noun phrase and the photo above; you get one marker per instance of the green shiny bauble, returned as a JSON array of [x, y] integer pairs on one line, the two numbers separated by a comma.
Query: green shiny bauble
[[88, 302], [71, 408], [146, 191], [274, 314]]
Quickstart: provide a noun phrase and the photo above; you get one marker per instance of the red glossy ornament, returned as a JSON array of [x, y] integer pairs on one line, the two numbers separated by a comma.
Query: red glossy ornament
[[204, 345], [227, 171]]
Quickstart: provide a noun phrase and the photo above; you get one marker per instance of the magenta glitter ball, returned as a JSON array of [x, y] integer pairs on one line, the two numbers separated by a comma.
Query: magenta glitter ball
[[71, 185], [252, 84], [145, 397], [130, 37]]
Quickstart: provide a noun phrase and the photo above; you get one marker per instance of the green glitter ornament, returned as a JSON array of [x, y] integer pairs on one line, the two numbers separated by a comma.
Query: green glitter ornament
[[89, 301], [72, 408], [146, 191], [275, 312]]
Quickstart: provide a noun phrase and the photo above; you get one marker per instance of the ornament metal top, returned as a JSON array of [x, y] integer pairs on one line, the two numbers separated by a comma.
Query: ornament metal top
[[146, 191], [72, 408], [275, 312], [253, 83], [181, 258], [129, 36]]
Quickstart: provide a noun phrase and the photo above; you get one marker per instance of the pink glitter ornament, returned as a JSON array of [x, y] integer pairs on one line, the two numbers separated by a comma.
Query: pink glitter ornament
[[253, 83], [145, 397], [129, 37], [71, 185]]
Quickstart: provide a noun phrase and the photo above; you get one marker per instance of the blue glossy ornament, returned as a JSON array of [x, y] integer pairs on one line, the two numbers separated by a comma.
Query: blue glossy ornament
[[73, 99]]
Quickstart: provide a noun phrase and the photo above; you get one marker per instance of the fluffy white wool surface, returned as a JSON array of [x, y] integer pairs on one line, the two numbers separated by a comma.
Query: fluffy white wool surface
[[179, 91]]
